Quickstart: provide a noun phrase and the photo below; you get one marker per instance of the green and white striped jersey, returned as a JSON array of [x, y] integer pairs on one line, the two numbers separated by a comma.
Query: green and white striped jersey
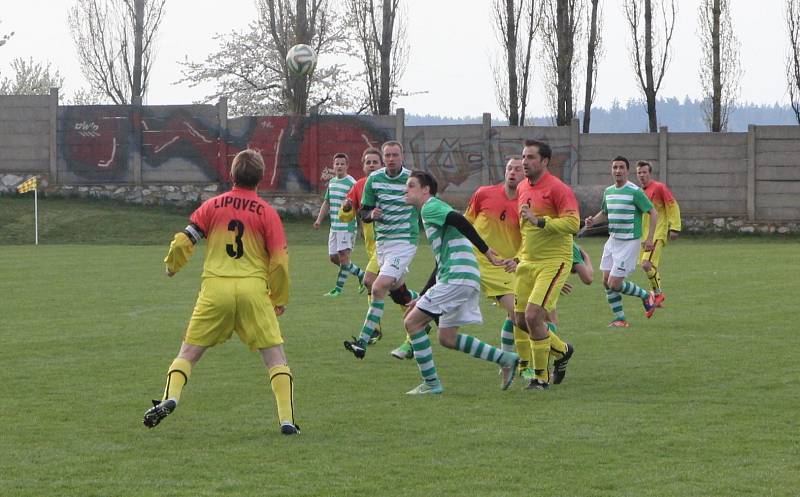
[[399, 221], [452, 250], [335, 195], [624, 207]]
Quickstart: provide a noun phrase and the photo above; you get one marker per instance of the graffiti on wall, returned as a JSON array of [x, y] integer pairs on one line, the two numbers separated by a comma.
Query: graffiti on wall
[[452, 161], [95, 144]]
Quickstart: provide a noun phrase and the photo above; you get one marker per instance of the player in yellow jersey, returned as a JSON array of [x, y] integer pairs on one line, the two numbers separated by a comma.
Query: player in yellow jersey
[[245, 286], [667, 227], [493, 212], [548, 220]]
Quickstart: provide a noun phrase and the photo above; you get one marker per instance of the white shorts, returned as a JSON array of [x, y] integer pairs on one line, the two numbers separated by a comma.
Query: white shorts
[[340, 240], [455, 305], [620, 256], [394, 258]]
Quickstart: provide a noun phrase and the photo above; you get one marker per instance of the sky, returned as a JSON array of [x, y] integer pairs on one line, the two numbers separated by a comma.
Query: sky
[[452, 43]]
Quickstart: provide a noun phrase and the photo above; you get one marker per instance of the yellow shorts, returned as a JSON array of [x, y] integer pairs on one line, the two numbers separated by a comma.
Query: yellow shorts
[[495, 281], [228, 304], [372, 265], [653, 256], [539, 284]]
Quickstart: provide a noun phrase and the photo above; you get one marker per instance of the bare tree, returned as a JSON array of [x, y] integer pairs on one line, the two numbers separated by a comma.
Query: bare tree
[[792, 12], [720, 70], [115, 40], [516, 23], [381, 33], [650, 51], [30, 78], [562, 25], [4, 38], [249, 68], [594, 50]]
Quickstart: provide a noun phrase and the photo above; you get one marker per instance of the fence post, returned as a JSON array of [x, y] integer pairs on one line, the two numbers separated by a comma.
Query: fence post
[[222, 140], [663, 143], [486, 133], [574, 157], [400, 125], [751, 172], [135, 140], [53, 135]]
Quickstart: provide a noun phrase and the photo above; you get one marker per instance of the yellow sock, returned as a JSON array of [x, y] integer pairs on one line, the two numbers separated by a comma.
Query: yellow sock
[[522, 341], [541, 354], [280, 378], [177, 377], [655, 279], [559, 348]]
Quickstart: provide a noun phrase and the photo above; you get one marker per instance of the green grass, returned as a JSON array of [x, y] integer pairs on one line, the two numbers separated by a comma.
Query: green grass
[[700, 400]]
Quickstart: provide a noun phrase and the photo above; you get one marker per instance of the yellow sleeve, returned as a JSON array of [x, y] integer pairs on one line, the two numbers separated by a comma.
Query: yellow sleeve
[[673, 216], [180, 250], [279, 278], [346, 216], [568, 225]]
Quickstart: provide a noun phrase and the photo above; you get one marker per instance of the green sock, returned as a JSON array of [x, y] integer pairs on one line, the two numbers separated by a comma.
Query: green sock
[[423, 354], [476, 348], [507, 336], [615, 302], [631, 288], [371, 322]]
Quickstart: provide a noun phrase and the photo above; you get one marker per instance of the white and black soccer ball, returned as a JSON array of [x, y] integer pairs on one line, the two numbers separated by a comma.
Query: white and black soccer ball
[[301, 59]]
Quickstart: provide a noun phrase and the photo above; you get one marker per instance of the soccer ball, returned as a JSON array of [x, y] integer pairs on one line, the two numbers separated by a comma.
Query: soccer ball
[[301, 59]]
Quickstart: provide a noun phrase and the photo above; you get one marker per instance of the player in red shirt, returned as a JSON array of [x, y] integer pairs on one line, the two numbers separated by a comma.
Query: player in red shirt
[[245, 286]]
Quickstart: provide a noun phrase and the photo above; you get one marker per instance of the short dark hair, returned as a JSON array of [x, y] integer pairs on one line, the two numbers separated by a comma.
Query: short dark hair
[[392, 143], [644, 163], [620, 158], [247, 169], [341, 155], [544, 149], [371, 150], [426, 179]]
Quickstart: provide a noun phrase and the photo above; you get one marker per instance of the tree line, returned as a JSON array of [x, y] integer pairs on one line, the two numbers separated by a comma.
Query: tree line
[[560, 41]]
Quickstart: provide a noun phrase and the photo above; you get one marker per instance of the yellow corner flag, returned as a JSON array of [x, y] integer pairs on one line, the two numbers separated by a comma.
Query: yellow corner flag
[[27, 185]]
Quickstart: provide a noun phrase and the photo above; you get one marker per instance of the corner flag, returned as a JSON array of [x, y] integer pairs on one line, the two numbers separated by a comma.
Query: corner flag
[[24, 187]]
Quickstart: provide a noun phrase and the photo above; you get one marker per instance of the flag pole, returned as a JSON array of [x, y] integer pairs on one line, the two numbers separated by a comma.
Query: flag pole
[[36, 212]]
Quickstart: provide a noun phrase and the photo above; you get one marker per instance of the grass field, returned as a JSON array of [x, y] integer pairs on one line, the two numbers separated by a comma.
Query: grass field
[[701, 400]]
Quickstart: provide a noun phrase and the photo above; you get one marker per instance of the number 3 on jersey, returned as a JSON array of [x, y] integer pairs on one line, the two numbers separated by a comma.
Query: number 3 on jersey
[[238, 227]]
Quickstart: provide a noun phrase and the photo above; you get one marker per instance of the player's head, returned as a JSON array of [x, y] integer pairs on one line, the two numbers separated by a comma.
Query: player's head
[[535, 158], [247, 169], [371, 160], [620, 169], [514, 172], [420, 187], [340, 165], [392, 157], [644, 171]]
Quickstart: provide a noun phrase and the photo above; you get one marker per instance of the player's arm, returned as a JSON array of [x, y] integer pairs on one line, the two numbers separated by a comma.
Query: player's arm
[[182, 247], [673, 213], [323, 211], [278, 269], [585, 270], [463, 226], [566, 220], [651, 230], [431, 280]]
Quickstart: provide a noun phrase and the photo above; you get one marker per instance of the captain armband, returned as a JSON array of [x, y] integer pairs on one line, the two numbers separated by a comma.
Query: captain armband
[[194, 233]]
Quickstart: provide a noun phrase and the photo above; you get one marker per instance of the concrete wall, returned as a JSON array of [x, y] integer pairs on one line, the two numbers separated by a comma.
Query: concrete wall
[[26, 132], [753, 175]]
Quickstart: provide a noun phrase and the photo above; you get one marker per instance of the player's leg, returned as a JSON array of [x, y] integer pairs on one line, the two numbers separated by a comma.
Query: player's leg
[[211, 323], [612, 285], [257, 327], [625, 258], [333, 255], [651, 261], [519, 340], [282, 383], [416, 324], [346, 265], [548, 280]]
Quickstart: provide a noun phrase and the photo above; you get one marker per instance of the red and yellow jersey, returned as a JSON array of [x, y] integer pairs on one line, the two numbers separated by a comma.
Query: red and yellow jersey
[[354, 195], [669, 213], [496, 219], [245, 239], [549, 199]]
